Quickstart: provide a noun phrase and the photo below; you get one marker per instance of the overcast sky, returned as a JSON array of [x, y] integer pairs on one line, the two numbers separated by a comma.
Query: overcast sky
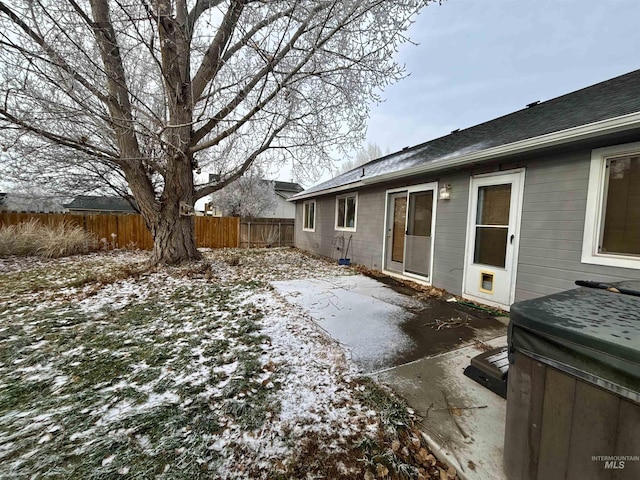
[[480, 59]]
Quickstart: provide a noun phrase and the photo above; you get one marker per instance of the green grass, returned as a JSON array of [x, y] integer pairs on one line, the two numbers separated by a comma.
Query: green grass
[[111, 370], [91, 393]]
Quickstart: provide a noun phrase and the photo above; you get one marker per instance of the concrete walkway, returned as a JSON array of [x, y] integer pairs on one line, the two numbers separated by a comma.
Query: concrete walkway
[[420, 348], [464, 422]]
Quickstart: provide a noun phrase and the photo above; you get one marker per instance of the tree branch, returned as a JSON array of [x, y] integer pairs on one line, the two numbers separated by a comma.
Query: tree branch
[[209, 189], [199, 8], [242, 94], [212, 61], [118, 102], [56, 59], [88, 149], [201, 132], [255, 29]]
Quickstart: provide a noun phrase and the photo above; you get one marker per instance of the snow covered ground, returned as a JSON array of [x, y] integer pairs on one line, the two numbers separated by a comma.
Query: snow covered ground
[[110, 369]]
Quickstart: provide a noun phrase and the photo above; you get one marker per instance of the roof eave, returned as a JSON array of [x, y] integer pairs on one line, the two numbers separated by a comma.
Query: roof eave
[[603, 127], [341, 188]]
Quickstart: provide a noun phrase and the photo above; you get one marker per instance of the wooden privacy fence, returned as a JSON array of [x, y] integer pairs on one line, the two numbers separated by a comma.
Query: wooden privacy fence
[[217, 232], [267, 232], [129, 231]]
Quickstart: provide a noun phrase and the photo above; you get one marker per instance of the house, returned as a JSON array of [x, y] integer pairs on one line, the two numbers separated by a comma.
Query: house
[[87, 204], [284, 191], [283, 208], [515, 208]]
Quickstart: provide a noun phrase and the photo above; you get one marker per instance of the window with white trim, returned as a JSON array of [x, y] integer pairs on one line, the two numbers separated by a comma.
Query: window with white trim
[[612, 220], [309, 214], [346, 212]]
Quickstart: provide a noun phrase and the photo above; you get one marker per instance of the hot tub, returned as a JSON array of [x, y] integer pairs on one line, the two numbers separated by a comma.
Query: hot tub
[[573, 401]]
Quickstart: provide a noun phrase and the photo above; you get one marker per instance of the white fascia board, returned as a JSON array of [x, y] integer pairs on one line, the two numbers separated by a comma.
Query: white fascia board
[[317, 193], [603, 127]]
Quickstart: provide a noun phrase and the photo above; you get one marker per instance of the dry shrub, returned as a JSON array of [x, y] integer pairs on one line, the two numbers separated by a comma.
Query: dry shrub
[[49, 241], [20, 239]]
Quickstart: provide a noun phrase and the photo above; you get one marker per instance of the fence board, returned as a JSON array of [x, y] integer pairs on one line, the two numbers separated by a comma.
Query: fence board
[[217, 232], [266, 232], [130, 231]]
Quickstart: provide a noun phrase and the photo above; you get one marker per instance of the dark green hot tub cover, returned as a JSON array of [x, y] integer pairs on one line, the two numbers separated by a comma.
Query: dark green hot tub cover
[[589, 333]]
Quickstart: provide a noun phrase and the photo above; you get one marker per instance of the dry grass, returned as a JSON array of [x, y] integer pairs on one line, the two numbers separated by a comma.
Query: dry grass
[[32, 238]]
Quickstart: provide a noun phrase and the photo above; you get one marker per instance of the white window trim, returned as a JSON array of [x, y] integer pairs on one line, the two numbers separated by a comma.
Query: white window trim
[[355, 217], [594, 215], [304, 205]]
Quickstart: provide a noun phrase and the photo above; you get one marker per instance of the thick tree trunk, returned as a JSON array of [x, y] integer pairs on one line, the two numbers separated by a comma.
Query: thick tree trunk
[[174, 234], [174, 240]]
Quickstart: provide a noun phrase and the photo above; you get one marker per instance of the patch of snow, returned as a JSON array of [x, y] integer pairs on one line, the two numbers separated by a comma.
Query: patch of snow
[[38, 345], [333, 303], [125, 408], [227, 369]]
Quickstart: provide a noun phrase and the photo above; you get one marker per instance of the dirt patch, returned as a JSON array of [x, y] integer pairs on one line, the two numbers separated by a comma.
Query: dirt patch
[[441, 327], [405, 287]]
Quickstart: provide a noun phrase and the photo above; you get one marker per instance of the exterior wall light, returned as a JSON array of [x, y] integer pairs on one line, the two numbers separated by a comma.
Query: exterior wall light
[[445, 192]]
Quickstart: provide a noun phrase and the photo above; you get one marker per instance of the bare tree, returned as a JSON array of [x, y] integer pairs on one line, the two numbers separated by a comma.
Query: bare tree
[[369, 152], [249, 196], [137, 96]]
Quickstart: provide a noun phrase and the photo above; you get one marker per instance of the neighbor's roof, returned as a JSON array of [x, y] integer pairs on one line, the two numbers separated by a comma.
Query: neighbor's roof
[[286, 189], [287, 186], [537, 125], [102, 204]]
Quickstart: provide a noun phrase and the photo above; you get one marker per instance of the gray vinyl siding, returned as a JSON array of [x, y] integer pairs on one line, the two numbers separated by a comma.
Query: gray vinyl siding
[[366, 244], [450, 235], [555, 198], [366, 241], [552, 225]]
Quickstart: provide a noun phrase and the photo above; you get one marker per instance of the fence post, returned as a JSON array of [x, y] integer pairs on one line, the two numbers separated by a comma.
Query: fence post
[[279, 234], [249, 235]]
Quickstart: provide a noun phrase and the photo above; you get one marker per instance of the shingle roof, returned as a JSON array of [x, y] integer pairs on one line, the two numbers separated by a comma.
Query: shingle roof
[[287, 186], [606, 100], [103, 204]]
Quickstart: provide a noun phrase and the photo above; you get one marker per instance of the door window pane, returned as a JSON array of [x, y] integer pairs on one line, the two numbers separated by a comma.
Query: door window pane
[[621, 229], [399, 217], [491, 246], [420, 209], [493, 205]]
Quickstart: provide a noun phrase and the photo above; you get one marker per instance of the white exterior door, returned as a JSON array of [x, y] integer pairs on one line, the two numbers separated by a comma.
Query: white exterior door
[[493, 232]]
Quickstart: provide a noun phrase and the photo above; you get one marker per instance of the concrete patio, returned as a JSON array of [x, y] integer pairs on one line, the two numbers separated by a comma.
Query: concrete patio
[[419, 347]]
